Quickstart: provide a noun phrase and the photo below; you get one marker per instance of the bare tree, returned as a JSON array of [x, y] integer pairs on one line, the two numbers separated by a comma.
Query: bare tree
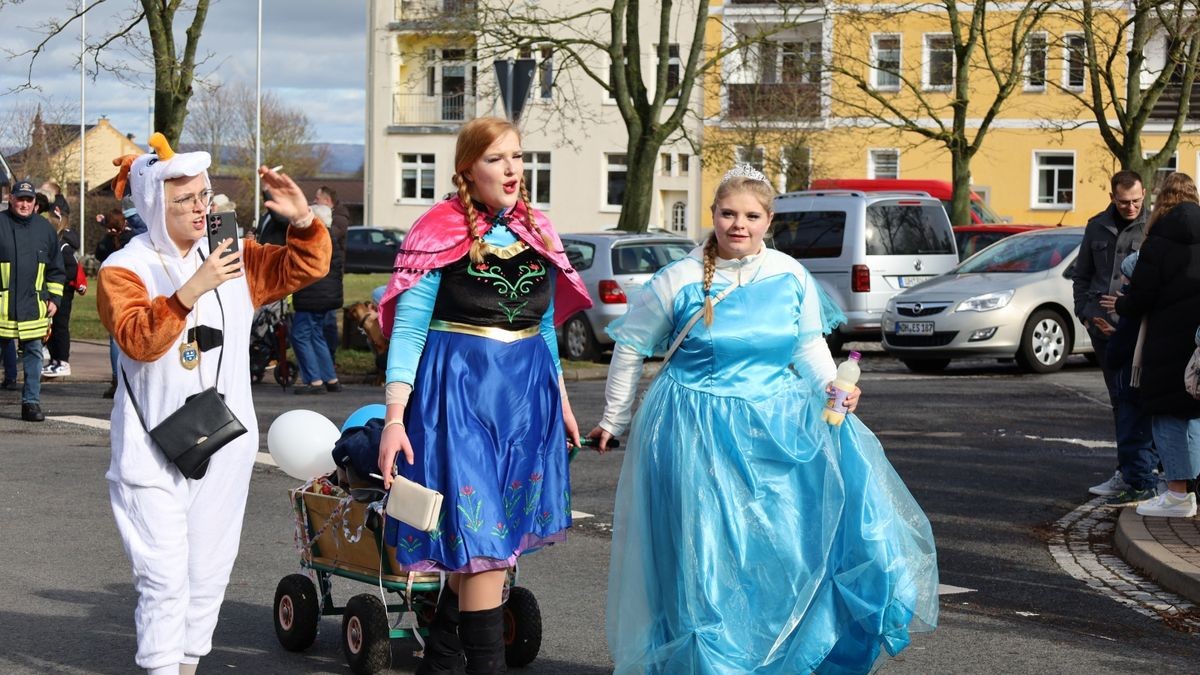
[[41, 128], [173, 65], [601, 45], [211, 123], [1131, 67], [969, 73], [286, 134], [770, 125]]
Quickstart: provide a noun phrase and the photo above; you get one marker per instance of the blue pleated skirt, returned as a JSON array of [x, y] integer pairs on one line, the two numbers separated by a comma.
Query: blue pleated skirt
[[485, 421], [751, 536]]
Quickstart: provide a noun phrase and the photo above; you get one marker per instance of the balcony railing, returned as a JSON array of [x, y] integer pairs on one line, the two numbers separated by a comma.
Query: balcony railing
[[433, 15], [408, 109], [774, 102], [1167, 106]]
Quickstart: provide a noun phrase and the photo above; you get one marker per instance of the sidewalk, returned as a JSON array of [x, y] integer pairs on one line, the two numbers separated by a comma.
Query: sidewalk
[[1167, 549]]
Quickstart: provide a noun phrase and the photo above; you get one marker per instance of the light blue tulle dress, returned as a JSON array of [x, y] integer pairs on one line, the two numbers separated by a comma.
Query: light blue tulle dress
[[750, 535]]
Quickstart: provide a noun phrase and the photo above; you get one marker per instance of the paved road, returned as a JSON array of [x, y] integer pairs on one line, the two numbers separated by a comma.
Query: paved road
[[994, 457]]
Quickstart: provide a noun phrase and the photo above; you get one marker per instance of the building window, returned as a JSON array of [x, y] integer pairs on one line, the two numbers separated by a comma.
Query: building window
[[1055, 175], [1035, 62], [755, 157], [679, 217], [885, 61], [416, 178], [1169, 167], [666, 169], [790, 62], [546, 73], [883, 163], [617, 172], [537, 178], [1075, 62], [684, 158], [797, 167], [673, 65], [939, 61]]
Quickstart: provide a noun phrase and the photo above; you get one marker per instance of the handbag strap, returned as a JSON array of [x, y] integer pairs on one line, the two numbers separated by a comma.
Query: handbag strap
[[693, 321], [1135, 372], [220, 357]]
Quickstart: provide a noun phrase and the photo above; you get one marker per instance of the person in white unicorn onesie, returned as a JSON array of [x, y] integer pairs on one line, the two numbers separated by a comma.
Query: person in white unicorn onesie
[[180, 314]]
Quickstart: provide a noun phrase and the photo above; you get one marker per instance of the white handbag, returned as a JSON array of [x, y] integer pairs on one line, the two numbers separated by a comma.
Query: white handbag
[[414, 504]]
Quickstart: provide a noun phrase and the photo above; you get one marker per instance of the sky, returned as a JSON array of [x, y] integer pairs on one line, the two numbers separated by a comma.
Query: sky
[[313, 56]]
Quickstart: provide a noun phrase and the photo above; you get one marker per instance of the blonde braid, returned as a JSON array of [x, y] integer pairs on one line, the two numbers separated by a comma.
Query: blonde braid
[[531, 221], [464, 197], [710, 267]]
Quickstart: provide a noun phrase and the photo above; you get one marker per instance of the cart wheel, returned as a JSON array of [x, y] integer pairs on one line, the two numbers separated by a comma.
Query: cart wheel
[[292, 369], [297, 612], [522, 627], [366, 638]]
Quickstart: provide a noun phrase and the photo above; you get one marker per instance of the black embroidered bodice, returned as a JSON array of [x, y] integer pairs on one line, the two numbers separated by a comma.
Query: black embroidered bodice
[[510, 289]]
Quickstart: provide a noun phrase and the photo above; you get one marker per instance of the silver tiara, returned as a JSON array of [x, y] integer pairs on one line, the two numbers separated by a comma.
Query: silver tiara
[[744, 170]]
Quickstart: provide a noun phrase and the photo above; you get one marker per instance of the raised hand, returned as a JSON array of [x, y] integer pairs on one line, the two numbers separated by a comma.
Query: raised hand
[[287, 199]]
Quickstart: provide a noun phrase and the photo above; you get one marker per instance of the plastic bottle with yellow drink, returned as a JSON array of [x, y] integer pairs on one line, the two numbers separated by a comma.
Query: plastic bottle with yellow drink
[[843, 385]]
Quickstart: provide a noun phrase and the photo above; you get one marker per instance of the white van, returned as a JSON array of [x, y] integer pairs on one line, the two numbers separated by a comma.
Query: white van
[[864, 247]]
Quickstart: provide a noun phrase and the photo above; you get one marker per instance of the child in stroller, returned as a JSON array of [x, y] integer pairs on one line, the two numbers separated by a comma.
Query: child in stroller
[[269, 344]]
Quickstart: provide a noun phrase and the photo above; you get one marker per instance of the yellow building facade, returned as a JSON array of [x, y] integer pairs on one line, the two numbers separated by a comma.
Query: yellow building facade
[[1041, 161]]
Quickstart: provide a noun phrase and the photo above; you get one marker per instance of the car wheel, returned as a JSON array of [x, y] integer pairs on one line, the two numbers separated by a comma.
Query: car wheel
[[1045, 343], [578, 342], [926, 365]]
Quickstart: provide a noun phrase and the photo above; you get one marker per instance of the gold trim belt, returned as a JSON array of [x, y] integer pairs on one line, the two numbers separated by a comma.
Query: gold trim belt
[[483, 331]]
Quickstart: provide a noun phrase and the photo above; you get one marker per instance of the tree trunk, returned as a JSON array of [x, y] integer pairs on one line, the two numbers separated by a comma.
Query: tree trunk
[[639, 184], [960, 202]]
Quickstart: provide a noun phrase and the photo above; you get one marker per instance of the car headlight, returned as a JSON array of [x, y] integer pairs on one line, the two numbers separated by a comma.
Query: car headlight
[[986, 302], [891, 306]]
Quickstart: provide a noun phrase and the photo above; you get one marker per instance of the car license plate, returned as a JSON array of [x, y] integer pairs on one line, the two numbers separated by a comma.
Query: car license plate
[[914, 328], [909, 282]]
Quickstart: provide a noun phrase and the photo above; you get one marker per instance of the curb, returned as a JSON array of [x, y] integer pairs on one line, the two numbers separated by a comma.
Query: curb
[[1141, 549]]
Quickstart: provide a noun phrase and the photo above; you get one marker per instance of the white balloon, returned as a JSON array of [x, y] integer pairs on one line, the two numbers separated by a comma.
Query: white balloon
[[300, 442]]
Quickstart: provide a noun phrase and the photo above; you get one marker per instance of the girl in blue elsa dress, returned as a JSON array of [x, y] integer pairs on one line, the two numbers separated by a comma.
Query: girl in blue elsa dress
[[749, 534]]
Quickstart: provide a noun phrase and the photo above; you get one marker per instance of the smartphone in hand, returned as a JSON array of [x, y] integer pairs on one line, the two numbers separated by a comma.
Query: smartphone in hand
[[222, 226]]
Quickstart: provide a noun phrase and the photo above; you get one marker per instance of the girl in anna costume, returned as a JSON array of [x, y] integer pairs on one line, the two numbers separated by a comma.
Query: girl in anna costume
[[476, 407]]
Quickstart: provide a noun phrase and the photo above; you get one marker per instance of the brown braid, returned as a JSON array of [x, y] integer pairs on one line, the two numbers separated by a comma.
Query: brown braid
[[531, 221], [710, 266], [464, 197]]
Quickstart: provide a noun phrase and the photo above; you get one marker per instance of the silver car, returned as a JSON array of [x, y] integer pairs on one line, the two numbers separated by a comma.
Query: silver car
[[1011, 300], [610, 264]]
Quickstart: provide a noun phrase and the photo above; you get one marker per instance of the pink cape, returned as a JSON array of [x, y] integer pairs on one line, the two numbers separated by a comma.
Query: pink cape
[[439, 237]]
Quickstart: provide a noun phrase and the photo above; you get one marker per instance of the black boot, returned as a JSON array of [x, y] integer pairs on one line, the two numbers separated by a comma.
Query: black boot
[[482, 636], [443, 648]]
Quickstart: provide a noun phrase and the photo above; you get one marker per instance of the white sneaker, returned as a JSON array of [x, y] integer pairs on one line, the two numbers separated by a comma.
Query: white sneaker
[[1166, 506], [59, 369], [1112, 487]]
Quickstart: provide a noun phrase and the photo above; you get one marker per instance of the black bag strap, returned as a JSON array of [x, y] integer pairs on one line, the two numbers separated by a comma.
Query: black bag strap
[[125, 378]]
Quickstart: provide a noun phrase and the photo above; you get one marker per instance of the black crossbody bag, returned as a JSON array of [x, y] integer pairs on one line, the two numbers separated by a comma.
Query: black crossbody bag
[[191, 435]]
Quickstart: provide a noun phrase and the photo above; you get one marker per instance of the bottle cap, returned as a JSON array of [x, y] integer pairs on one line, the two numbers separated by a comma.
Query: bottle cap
[[855, 355]]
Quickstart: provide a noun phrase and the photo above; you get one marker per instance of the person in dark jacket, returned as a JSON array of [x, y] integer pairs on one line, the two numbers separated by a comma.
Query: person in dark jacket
[[340, 223], [316, 305], [119, 229], [59, 342], [32, 276], [1165, 289], [1136, 456], [1109, 237]]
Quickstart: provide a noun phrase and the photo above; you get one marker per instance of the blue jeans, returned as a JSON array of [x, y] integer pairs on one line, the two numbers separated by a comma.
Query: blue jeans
[[31, 363], [331, 333], [112, 356], [312, 354], [9, 347], [1178, 443], [1135, 445]]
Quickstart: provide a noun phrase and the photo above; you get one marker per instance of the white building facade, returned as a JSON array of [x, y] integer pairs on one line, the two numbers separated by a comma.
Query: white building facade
[[425, 81]]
